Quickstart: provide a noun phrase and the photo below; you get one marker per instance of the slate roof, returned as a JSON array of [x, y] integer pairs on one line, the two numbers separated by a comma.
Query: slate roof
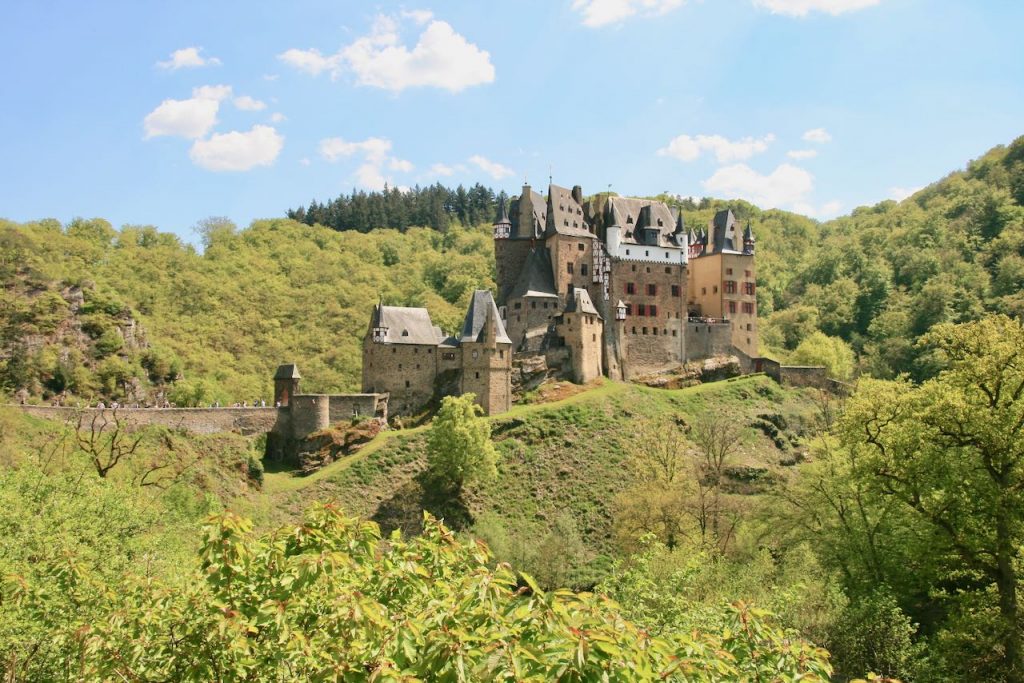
[[580, 302], [627, 214], [536, 278], [724, 237], [407, 325], [565, 216], [287, 371], [480, 307], [502, 215]]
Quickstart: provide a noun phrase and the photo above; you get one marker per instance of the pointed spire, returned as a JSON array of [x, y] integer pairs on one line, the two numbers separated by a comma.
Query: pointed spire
[[680, 223], [692, 237], [502, 215], [611, 216], [748, 234]]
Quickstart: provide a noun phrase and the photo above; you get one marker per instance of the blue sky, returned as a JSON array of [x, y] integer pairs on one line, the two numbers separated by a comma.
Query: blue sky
[[168, 113]]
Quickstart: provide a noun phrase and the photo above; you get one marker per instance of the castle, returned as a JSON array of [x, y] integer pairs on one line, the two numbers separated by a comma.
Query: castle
[[612, 286]]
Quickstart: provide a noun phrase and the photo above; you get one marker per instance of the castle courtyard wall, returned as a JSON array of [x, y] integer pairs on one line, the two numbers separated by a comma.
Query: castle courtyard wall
[[247, 421]]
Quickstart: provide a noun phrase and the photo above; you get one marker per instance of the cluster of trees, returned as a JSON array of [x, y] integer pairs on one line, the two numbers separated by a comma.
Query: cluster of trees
[[435, 206], [88, 312]]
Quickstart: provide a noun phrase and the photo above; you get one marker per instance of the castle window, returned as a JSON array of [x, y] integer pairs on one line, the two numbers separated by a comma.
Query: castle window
[[417, 366], [583, 269], [634, 330], [652, 311], [654, 331], [667, 255], [477, 375], [593, 337], [714, 290], [674, 333], [748, 288], [566, 221], [728, 271], [568, 267], [405, 333], [634, 267], [660, 224], [627, 254], [748, 341], [668, 269], [648, 269], [729, 286], [629, 309], [545, 304], [501, 353], [645, 330], [630, 288], [647, 252], [641, 310], [394, 350], [749, 327], [517, 318], [675, 290], [652, 290], [415, 350], [703, 290], [533, 304], [448, 356], [476, 354], [747, 273], [629, 220], [748, 307], [732, 306], [579, 245], [430, 350], [406, 384]]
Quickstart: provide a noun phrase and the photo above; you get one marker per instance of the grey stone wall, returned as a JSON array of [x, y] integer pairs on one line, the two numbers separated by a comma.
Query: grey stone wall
[[246, 421], [705, 340]]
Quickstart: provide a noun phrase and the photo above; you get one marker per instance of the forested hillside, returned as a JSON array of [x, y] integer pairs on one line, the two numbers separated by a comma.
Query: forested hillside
[[89, 311]]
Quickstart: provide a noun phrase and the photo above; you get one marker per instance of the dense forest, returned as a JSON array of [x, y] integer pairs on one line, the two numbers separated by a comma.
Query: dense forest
[[729, 531]]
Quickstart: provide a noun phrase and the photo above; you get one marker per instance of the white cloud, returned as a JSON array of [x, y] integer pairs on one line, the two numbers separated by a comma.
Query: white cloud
[[188, 57], [419, 16], [786, 186], [271, 77], [901, 193], [375, 149], [441, 58], [801, 8], [311, 61], [238, 151], [191, 118], [278, 117], [802, 153], [304, 161], [598, 13], [376, 153], [818, 135], [216, 93], [400, 165], [491, 168], [441, 169], [246, 103], [687, 148]]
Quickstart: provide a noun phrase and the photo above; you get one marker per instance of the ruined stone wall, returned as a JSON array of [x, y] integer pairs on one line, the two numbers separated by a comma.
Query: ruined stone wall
[[310, 413], [705, 340], [648, 343], [405, 371], [344, 407], [247, 421]]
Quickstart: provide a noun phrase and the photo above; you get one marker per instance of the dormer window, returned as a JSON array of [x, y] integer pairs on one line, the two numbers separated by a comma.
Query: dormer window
[[660, 224], [405, 333], [629, 219]]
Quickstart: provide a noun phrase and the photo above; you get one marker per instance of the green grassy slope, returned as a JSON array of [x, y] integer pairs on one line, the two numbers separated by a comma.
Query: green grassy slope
[[556, 458]]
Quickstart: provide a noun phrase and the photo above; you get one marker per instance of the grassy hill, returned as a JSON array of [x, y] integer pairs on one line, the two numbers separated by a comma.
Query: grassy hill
[[562, 462]]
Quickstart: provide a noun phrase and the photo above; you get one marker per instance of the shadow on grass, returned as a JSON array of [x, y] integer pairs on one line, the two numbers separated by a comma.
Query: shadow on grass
[[404, 509]]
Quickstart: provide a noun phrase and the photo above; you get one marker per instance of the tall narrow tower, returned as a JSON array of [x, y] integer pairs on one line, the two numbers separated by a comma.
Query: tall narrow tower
[[286, 383]]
